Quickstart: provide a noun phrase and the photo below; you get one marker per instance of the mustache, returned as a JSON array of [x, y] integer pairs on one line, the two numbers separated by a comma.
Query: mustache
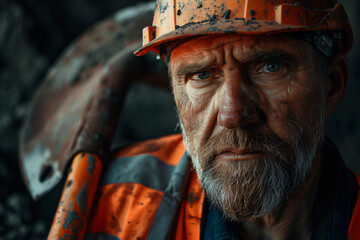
[[250, 140]]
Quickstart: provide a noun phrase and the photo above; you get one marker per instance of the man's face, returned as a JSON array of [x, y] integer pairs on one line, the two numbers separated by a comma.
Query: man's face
[[252, 110]]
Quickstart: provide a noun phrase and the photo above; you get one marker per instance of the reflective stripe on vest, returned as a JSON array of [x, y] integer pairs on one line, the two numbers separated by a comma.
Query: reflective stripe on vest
[[141, 194], [144, 195]]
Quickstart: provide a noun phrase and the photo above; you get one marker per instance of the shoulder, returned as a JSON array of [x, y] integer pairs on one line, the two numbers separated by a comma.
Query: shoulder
[[168, 149], [134, 185], [149, 163]]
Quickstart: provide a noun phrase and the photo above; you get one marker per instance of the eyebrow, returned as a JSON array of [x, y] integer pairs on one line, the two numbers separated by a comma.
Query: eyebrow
[[272, 55], [187, 68], [261, 56]]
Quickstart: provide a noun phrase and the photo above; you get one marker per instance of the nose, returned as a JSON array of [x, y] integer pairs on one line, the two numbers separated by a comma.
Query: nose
[[237, 105]]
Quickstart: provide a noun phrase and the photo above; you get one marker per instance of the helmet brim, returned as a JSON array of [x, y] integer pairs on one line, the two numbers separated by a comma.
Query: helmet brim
[[239, 26]]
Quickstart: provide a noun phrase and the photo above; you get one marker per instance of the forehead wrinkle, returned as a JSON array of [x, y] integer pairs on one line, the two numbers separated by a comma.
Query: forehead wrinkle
[[192, 61], [258, 47], [239, 49], [209, 45]]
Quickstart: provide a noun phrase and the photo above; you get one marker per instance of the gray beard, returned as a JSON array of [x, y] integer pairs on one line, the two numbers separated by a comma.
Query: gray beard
[[247, 189]]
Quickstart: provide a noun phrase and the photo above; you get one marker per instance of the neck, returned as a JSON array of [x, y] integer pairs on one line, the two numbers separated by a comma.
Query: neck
[[291, 220]]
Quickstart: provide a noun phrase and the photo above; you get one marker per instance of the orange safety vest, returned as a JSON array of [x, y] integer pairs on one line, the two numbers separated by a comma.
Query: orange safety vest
[[150, 192]]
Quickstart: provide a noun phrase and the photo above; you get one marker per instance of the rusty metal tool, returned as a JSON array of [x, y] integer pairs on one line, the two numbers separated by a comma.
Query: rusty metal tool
[[73, 116]]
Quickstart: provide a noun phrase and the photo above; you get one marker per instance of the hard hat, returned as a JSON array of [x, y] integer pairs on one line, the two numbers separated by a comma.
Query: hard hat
[[176, 19]]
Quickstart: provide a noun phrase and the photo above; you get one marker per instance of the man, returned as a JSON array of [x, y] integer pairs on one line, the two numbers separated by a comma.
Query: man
[[254, 82]]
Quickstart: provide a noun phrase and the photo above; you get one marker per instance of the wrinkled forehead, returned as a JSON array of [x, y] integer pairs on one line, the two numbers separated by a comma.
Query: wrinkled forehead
[[237, 42]]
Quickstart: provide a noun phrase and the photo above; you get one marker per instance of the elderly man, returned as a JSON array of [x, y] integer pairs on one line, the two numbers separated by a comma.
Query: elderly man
[[254, 82]]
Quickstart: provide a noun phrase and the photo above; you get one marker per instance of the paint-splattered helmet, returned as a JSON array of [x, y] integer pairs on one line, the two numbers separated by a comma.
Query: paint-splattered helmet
[[178, 19]]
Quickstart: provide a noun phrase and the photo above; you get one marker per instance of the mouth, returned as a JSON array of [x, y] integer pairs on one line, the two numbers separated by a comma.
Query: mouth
[[238, 154]]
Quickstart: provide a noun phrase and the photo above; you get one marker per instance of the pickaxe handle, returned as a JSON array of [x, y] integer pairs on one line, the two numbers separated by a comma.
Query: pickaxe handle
[[75, 204]]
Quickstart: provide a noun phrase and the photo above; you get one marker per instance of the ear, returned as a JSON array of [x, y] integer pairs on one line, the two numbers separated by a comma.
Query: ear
[[336, 81]]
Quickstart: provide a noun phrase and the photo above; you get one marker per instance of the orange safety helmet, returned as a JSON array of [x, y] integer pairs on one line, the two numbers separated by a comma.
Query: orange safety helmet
[[175, 19]]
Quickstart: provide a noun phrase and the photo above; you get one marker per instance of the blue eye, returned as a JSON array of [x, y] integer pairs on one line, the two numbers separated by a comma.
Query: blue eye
[[201, 75], [271, 67]]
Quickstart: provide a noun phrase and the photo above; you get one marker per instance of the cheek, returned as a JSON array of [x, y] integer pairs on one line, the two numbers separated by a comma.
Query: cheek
[[197, 110], [185, 106], [296, 102], [280, 104], [199, 99], [278, 119]]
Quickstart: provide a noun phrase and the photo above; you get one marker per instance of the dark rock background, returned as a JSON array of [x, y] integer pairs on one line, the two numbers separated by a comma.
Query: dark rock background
[[34, 32]]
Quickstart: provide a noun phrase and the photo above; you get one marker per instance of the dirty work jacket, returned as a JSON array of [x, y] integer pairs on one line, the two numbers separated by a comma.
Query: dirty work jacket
[[150, 192]]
